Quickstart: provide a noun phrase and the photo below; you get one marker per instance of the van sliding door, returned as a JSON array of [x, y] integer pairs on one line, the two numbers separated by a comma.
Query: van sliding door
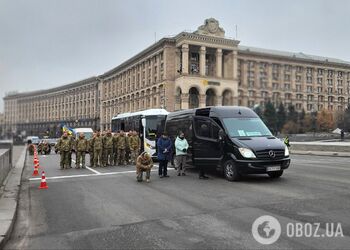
[[207, 149]]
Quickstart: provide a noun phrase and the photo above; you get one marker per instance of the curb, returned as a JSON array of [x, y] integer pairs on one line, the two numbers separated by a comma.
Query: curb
[[321, 153], [9, 199]]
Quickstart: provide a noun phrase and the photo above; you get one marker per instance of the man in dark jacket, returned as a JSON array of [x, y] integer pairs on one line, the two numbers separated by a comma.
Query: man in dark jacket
[[164, 154]]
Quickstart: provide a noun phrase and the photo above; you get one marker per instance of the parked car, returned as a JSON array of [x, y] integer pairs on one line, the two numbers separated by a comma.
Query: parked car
[[32, 140], [232, 139]]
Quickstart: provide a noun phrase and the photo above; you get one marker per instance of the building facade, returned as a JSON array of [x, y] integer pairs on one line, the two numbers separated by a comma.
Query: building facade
[[189, 70], [2, 124], [45, 111]]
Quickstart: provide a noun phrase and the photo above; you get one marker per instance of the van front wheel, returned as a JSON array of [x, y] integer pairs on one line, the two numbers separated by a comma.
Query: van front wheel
[[231, 171]]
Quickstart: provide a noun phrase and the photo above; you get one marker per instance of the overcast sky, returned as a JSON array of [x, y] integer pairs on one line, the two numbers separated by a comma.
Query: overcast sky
[[48, 43]]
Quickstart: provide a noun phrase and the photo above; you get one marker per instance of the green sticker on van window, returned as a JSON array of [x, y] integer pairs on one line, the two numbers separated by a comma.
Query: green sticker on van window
[[253, 134], [241, 133]]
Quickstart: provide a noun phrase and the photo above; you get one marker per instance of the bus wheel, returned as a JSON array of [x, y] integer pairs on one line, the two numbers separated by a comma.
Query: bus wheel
[[231, 171], [276, 174]]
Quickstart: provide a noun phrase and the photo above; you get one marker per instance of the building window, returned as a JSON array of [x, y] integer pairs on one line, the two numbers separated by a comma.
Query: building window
[[319, 80]]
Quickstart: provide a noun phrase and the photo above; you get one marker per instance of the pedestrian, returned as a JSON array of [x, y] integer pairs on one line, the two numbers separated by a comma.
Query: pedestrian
[[128, 150], [98, 150], [181, 147], [164, 146], [144, 163], [72, 139], [135, 144], [115, 148], [108, 149], [286, 141], [121, 145], [81, 146], [91, 149], [64, 146]]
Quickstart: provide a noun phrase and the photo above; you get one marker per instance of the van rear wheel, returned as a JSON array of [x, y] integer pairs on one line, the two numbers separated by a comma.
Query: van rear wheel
[[275, 174], [231, 171]]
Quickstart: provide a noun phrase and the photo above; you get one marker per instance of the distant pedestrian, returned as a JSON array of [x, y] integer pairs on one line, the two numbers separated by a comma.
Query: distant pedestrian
[[64, 145], [144, 163], [164, 154], [286, 141], [81, 147], [181, 147]]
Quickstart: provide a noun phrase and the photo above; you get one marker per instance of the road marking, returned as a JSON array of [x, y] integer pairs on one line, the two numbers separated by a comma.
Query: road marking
[[88, 175], [92, 170]]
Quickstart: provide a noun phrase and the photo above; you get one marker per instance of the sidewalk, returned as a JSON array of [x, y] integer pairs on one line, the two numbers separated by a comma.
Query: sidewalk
[[320, 153], [9, 197]]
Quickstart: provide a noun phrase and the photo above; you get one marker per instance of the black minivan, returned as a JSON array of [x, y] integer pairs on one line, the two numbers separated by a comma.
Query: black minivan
[[231, 138]]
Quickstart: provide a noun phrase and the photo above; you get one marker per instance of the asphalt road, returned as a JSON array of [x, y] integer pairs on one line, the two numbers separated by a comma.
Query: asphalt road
[[112, 210]]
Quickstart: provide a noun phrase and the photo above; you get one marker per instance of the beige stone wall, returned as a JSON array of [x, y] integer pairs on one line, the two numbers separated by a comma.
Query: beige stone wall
[[310, 85]]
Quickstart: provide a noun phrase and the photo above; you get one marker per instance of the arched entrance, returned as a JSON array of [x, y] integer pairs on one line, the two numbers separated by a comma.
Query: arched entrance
[[210, 98], [193, 101]]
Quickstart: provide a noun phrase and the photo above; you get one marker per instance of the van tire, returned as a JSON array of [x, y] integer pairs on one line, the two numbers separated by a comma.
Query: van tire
[[230, 171], [275, 174]]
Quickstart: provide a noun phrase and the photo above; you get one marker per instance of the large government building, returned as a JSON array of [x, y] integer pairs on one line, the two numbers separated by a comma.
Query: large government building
[[189, 70]]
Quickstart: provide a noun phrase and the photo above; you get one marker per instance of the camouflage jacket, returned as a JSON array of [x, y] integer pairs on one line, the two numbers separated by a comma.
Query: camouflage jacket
[[81, 144], [64, 144]]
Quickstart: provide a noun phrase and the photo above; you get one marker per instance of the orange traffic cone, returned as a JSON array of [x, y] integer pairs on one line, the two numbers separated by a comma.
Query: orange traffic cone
[[36, 171], [36, 160], [43, 184]]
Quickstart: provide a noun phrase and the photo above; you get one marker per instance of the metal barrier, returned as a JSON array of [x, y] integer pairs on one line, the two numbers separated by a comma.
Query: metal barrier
[[5, 164]]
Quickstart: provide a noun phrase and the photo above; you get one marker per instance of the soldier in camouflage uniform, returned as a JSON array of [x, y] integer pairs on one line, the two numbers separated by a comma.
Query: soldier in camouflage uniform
[[81, 146], [65, 146], [127, 150], [115, 148], [108, 149], [144, 163], [98, 146], [134, 144], [121, 146], [71, 137], [91, 150]]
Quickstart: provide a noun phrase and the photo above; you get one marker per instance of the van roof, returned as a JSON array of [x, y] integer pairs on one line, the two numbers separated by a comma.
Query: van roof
[[216, 111]]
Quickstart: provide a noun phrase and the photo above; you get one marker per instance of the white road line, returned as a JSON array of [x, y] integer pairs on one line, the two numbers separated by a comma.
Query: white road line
[[88, 175], [92, 170]]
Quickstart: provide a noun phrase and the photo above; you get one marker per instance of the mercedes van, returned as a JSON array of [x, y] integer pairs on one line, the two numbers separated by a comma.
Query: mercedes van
[[232, 139]]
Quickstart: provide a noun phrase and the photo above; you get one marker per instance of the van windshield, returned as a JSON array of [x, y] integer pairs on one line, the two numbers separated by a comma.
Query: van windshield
[[252, 127]]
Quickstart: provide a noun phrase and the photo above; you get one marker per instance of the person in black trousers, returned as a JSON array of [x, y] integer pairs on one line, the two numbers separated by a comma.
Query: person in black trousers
[[164, 148]]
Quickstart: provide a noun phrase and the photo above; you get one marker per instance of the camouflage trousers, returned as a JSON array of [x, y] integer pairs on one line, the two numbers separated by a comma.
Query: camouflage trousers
[[80, 155], [70, 159], [64, 161], [108, 156], [91, 153], [115, 157], [134, 153], [121, 156], [139, 173], [97, 157]]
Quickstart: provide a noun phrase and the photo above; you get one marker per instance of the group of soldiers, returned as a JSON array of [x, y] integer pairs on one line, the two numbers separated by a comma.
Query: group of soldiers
[[105, 149]]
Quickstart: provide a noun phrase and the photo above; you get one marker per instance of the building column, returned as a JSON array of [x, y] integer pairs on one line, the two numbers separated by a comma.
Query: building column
[[184, 101], [185, 50], [235, 64], [202, 53], [202, 99], [219, 100], [218, 63]]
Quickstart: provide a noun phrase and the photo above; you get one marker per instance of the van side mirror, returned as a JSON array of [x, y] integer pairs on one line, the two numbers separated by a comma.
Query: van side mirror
[[221, 135]]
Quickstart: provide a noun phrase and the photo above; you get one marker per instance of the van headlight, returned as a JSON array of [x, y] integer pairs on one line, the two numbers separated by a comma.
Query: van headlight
[[286, 151], [246, 153]]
